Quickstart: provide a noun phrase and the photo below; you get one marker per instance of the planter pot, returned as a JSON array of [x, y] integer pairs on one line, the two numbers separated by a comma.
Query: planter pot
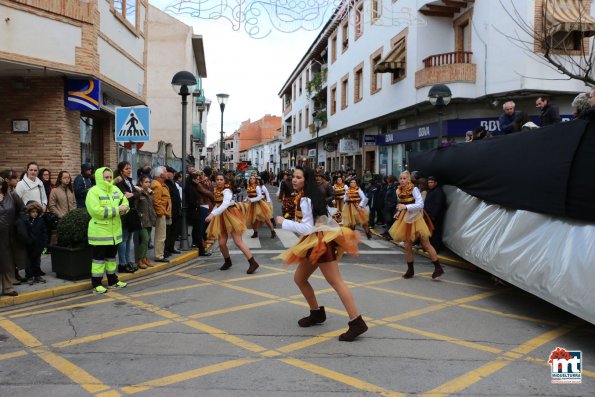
[[71, 263]]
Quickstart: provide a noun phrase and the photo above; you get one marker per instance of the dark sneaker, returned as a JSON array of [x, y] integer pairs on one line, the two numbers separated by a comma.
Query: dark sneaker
[[39, 279]]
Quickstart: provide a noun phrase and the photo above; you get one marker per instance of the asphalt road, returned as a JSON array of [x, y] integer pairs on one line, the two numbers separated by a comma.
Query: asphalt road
[[198, 331]]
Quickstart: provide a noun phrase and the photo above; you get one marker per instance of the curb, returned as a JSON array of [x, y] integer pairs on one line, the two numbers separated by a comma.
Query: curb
[[447, 260], [79, 286]]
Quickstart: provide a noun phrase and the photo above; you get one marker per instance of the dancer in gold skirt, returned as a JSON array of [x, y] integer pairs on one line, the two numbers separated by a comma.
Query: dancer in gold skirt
[[339, 190], [257, 210], [226, 219], [354, 211], [322, 244], [412, 222]]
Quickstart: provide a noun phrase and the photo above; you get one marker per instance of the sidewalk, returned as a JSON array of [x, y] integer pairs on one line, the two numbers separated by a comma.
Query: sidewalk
[[57, 287]]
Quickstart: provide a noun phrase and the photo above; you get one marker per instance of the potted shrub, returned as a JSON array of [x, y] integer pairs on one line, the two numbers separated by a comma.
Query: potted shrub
[[72, 255]]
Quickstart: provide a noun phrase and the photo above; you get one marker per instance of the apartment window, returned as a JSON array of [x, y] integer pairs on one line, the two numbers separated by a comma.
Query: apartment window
[[334, 48], [358, 82], [293, 92], [300, 85], [126, 10], [334, 99], [344, 91], [307, 117], [345, 35], [375, 78], [376, 10], [300, 120], [462, 27], [359, 20]]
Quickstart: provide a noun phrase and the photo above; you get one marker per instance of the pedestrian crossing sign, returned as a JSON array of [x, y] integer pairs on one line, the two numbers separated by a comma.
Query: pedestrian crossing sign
[[132, 124]]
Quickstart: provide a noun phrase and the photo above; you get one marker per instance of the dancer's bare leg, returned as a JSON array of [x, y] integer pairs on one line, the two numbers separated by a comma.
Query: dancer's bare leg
[[331, 273], [301, 276]]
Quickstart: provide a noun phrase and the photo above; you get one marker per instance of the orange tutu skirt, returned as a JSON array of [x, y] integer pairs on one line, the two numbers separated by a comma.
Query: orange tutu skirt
[[259, 211], [231, 220], [314, 245], [353, 215], [405, 229]]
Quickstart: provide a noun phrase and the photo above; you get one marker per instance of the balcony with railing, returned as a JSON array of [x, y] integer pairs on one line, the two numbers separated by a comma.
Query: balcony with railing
[[447, 67]]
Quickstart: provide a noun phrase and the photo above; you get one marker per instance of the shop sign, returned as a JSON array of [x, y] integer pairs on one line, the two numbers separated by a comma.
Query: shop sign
[[369, 140], [82, 94], [348, 146]]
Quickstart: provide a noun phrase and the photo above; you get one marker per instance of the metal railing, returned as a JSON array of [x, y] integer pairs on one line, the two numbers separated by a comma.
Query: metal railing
[[448, 58]]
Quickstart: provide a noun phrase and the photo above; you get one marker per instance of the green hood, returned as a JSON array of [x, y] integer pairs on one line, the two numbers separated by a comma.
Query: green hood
[[102, 183]]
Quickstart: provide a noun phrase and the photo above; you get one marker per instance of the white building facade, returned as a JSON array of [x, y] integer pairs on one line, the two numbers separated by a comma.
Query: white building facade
[[367, 75], [266, 156]]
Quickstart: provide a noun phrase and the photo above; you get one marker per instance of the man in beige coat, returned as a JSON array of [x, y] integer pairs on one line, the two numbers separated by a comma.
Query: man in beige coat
[[162, 205]]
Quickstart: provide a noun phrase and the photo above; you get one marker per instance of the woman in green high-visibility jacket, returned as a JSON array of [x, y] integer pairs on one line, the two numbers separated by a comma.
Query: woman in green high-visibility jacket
[[105, 203]]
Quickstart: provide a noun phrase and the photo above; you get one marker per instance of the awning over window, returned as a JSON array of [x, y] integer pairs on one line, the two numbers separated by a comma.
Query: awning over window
[[394, 60], [568, 16]]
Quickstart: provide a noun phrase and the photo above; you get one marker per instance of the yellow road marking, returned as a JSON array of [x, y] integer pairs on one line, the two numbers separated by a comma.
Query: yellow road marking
[[183, 376], [445, 338], [19, 353], [219, 333], [75, 373], [164, 291], [405, 294], [544, 362], [339, 377], [105, 335], [56, 309], [233, 309], [40, 305], [511, 315], [253, 277], [231, 286], [470, 378], [147, 306]]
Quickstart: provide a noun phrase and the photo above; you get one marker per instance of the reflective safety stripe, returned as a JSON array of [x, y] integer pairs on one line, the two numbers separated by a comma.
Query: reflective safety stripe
[[110, 267], [105, 213], [101, 238], [97, 275], [103, 197], [113, 212], [98, 261]]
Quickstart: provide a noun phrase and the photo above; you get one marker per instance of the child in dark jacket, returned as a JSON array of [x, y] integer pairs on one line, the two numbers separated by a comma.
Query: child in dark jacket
[[39, 239]]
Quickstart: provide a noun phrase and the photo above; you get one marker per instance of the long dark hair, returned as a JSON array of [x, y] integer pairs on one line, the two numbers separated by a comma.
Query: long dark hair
[[59, 180], [312, 191]]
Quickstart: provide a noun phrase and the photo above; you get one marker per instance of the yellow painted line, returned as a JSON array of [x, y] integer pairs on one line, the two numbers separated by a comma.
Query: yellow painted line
[[8, 313], [312, 341], [231, 286], [511, 315], [463, 284], [477, 297], [192, 374], [167, 290], [105, 335], [109, 393], [20, 334], [512, 355], [339, 377], [431, 335], [255, 277], [470, 378], [233, 309], [271, 353], [405, 294], [56, 309], [386, 280], [146, 306], [78, 375], [7, 356], [318, 292], [221, 334], [415, 313]]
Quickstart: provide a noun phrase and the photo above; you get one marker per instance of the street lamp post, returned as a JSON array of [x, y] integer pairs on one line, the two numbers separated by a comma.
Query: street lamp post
[[440, 97], [184, 83], [222, 99]]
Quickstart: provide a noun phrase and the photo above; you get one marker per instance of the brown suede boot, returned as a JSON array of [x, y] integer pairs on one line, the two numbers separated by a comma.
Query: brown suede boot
[[141, 265], [438, 270], [316, 316], [409, 273], [226, 264], [253, 266], [148, 262], [356, 328]]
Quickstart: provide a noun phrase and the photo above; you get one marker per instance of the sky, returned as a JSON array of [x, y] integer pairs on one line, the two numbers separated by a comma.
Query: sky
[[251, 70]]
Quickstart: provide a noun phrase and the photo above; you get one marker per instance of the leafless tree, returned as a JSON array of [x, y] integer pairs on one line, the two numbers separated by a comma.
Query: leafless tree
[[566, 47]]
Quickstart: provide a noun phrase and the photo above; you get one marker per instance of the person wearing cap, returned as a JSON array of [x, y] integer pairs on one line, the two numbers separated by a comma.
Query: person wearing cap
[[435, 206], [82, 184], [105, 204]]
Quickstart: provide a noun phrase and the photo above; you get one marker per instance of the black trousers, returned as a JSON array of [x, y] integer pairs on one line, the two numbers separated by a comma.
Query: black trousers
[[198, 230], [388, 214], [172, 232]]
